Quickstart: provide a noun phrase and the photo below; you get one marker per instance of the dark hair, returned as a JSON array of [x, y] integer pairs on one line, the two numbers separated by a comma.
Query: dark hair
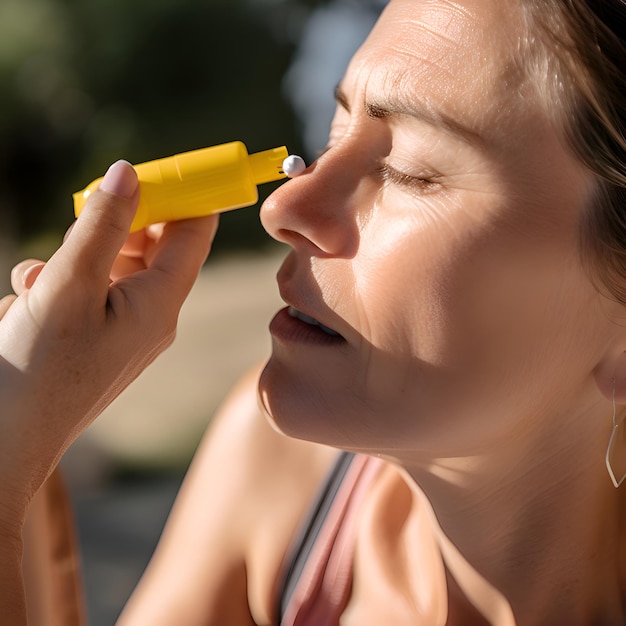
[[585, 71]]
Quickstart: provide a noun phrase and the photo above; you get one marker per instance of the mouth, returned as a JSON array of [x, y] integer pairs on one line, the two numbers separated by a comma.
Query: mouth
[[307, 319], [291, 327]]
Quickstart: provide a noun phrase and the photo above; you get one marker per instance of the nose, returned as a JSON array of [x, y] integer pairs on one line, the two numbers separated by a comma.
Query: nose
[[317, 209]]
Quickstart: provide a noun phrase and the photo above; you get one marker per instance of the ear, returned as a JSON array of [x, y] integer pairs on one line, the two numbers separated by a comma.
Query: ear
[[610, 376]]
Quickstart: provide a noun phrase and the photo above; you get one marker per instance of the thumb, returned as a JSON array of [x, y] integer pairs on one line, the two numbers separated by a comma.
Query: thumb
[[102, 227], [5, 304]]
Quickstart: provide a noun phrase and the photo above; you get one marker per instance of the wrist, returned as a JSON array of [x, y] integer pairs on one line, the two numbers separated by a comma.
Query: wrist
[[21, 479], [12, 599], [14, 504], [25, 458]]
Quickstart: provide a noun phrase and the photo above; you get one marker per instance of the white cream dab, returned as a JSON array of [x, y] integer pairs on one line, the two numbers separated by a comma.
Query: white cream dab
[[294, 165]]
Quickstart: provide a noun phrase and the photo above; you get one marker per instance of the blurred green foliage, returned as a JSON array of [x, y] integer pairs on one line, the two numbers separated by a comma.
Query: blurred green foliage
[[85, 82]]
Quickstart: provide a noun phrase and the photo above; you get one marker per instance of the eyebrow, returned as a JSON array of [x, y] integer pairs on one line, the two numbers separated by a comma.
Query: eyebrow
[[390, 108]]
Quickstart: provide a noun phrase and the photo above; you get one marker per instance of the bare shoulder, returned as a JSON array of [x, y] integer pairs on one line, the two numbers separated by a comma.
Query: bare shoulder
[[242, 500]]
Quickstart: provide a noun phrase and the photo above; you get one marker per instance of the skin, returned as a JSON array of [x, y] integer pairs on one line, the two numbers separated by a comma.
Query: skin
[[477, 358], [71, 340], [478, 355]]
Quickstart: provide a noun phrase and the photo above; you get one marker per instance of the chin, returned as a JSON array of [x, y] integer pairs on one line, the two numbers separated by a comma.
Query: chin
[[264, 400], [275, 402], [294, 407]]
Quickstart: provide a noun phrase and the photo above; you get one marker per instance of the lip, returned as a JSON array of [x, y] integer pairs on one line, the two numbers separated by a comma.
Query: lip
[[291, 330]]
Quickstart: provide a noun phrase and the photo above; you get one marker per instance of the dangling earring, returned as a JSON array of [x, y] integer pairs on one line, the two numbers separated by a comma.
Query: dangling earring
[[607, 458]]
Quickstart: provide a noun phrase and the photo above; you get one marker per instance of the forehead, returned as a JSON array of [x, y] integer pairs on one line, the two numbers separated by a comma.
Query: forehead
[[458, 58]]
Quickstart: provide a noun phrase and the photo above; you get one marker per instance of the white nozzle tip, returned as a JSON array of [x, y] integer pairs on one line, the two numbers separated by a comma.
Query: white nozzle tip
[[293, 165]]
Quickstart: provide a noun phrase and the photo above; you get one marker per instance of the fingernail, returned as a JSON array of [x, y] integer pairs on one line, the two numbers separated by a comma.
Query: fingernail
[[31, 274], [120, 179]]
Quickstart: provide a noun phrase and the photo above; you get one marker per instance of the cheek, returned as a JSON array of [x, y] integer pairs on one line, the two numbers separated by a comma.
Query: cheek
[[464, 296], [404, 288], [417, 268]]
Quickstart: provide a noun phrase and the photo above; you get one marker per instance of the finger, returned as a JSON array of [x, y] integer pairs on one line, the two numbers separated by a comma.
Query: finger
[[140, 245], [68, 231], [135, 244], [178, 257], [155, 231], [102, 228], [125, 266], [182, 250], [30, 275], [25, 273], [5, 304]]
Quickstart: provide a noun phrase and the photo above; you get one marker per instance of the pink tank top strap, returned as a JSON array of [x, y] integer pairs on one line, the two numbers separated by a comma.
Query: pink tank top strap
[[323, 586]]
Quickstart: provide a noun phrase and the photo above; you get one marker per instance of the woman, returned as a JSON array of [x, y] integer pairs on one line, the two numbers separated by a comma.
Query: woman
[[455, 297]]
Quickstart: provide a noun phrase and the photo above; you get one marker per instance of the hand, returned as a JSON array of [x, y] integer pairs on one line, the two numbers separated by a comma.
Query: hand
[[85, 324]]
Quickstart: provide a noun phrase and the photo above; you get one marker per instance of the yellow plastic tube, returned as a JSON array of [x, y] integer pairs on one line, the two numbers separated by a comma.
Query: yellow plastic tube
[[201, 182]]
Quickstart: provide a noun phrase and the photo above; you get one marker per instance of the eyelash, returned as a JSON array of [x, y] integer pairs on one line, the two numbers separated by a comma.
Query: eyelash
[[392, 175], [419, 183]]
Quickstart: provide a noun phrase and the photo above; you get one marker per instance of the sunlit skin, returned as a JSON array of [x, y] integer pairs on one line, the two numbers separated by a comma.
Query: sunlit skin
[[439, 236], [439, 316]]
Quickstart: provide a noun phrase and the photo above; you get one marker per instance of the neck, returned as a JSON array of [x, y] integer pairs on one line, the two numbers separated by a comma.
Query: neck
[[530, 533]]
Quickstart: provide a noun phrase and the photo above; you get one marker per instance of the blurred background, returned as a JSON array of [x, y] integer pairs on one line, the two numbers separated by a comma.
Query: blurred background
[[84, 83]]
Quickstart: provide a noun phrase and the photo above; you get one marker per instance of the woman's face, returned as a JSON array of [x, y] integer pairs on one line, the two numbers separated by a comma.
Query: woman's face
[[438, 235]]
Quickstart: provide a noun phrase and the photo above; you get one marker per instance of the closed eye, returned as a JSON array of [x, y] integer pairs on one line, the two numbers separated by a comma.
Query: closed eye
[[427, 182]]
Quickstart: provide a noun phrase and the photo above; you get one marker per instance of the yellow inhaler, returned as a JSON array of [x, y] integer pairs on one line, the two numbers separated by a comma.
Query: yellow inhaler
[[201, 182]]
